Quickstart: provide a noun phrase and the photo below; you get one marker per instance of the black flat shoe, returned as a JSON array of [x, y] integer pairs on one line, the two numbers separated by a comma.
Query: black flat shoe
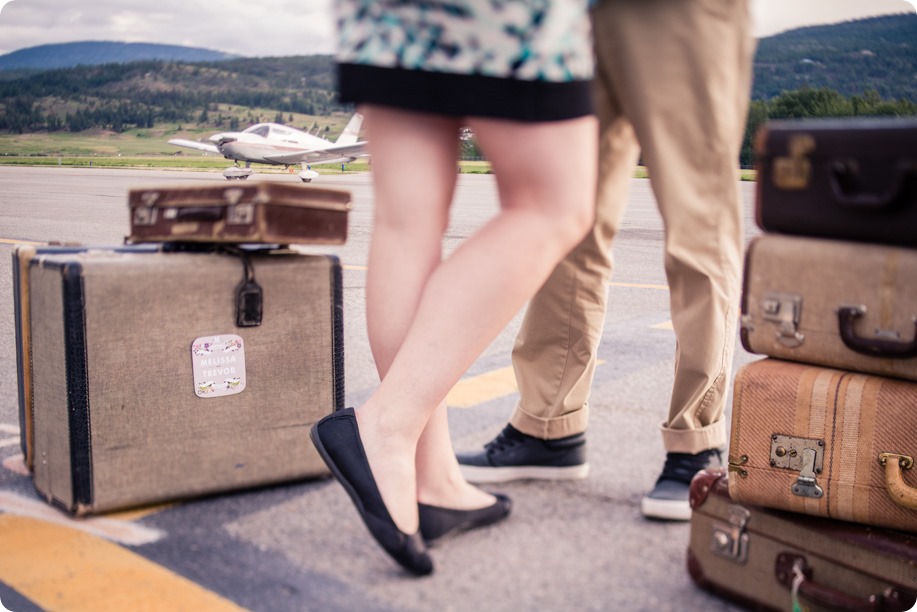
[[337, 440], [436, 522]]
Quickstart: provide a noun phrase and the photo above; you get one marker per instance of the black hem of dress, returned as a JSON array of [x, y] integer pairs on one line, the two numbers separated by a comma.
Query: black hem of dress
[[464, 95]]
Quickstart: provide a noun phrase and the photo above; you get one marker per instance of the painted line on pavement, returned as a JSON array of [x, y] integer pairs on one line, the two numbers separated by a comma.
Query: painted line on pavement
[[485, 387], [59, 568], [10, 241], [112, 529], [16, 464], [664, 325], [9, 442], [10, 429]]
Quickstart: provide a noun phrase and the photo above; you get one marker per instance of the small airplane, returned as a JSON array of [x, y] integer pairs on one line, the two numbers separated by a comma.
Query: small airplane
[[279, 145]]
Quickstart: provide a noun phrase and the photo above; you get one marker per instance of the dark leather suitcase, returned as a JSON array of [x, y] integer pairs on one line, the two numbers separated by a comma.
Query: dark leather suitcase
[[262, 212], [772, 560], [838, 304], [851, 179], [825, 442], [165, 375]]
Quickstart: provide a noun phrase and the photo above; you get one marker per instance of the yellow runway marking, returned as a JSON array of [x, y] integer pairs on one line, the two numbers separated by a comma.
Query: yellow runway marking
[[112, 529], [664, 325], [139, 513], [639, 286], [62, 569], [488, 386], [479, 389], [8, 241]]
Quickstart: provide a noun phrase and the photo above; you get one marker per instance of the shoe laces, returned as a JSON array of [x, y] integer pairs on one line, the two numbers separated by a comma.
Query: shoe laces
[[508, 438], [683, 466]]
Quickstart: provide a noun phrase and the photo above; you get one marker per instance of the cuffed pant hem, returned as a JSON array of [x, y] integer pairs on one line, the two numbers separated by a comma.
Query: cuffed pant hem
[[694, 440], [552, 428]]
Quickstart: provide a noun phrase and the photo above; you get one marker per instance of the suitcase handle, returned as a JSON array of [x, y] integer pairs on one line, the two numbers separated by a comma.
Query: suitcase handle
[[874, 347], [844, 177], [794, 573], [200, 213], [898, 490]]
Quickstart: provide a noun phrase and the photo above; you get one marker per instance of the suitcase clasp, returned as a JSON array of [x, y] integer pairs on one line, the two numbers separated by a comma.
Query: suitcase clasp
[[795, 170], [784, 309], [803, 454], [731, 541]]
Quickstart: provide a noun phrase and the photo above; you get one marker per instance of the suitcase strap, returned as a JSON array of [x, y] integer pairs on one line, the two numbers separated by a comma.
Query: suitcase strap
[[794, 573], [249, 295]]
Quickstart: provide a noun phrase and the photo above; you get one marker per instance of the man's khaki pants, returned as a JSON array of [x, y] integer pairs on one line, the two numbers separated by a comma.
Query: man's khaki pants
[[673, 79]]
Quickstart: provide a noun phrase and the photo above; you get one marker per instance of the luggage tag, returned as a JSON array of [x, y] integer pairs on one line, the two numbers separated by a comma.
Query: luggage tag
[[218, 363]]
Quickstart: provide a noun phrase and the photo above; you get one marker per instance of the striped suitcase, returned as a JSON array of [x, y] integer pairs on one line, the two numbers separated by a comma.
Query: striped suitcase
[[825, 442]]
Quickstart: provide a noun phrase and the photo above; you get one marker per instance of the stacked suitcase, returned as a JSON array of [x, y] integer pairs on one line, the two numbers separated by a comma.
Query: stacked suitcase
[[191, 361], [820, 509]]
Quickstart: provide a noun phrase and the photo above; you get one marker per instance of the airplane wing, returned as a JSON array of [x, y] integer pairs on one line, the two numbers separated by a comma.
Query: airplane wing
[[320, 156], [193, 144]]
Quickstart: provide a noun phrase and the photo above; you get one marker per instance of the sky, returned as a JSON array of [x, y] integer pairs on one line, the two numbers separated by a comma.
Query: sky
[[295, 27]]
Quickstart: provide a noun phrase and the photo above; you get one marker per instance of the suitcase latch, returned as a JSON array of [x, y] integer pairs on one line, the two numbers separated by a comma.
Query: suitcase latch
[[784, 310], [794, 171], [240, 214], [804, 455], [731, 541], [146, 214]]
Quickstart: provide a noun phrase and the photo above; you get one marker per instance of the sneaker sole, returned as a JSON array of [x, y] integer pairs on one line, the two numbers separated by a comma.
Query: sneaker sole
[[490, 475], [666, 509]]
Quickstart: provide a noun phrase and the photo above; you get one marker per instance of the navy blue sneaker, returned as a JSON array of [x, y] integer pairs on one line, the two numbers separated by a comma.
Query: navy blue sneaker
[[669, 498], [513, 455]]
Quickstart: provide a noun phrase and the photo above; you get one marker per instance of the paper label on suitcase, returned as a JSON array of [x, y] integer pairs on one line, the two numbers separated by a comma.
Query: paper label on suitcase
[[219, 365]]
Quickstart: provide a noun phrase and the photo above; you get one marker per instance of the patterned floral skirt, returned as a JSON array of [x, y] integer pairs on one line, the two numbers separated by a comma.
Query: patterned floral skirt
[[526, 60]]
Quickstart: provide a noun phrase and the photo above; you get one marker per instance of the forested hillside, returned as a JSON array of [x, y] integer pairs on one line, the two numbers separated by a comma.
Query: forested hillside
[[91, 53], [858, 68]]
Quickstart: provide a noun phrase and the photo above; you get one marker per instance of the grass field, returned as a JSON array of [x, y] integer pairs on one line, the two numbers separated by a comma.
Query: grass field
[[148, 148]]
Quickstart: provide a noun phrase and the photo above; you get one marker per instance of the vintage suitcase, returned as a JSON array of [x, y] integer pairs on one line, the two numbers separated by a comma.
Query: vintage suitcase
[[22, 255], [851, 179], [832, 303], [772, 560], [825, 442], [162, 375], [261, 212]]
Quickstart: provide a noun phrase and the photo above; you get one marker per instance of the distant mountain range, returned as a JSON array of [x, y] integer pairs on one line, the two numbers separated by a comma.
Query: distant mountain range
[[90, 53]]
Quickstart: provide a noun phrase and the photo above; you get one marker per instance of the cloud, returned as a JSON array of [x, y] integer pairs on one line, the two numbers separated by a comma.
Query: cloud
[[235, 26]]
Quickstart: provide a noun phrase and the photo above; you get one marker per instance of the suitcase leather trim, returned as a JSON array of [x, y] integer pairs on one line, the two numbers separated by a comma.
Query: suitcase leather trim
[[337, 317], [77, 376]]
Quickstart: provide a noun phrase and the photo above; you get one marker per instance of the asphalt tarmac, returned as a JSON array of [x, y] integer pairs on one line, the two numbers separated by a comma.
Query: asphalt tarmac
[[579, 545]]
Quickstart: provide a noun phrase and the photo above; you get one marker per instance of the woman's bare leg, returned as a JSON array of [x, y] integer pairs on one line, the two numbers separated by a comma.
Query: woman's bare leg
[[470, 296]]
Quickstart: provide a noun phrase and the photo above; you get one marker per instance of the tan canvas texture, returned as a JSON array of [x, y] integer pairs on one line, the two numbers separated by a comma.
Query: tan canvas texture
[[825, 275], [858, 416], [152, 437], [51, 442]]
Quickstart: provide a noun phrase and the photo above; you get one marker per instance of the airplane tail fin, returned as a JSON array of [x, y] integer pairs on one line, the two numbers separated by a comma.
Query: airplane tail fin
[[351, 131]]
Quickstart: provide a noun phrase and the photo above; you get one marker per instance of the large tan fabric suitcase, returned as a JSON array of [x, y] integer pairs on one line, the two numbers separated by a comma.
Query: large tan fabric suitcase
[[145, 388], [261, 212], [771, 560], [837, 304], [825, 442]]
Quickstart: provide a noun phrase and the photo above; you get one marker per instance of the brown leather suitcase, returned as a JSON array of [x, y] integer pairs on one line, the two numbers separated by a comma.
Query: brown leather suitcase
[[261, 212], [825, 442], [771, 560], [832, 303], [850, 179], [165, 375]]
